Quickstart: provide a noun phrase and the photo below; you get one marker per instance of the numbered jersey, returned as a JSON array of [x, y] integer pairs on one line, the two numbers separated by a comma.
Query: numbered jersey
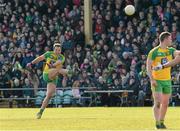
[[52, 58], [162, 56]]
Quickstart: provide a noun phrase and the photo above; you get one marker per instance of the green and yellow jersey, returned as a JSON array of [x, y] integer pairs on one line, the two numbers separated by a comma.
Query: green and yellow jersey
[[162, 56], [51, 58]]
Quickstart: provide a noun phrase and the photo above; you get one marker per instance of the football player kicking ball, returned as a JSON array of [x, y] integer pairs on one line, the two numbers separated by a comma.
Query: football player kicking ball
[[54, 61]]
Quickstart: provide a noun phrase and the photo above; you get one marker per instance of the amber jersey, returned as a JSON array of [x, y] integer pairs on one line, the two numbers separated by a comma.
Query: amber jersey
[[162, 56], [51, 58]]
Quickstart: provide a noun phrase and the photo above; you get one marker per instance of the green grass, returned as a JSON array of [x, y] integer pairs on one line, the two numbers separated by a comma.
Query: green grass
[[86, 119]]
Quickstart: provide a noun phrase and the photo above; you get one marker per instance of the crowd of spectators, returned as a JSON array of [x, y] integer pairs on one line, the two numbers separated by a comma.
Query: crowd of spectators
[[114, 59]]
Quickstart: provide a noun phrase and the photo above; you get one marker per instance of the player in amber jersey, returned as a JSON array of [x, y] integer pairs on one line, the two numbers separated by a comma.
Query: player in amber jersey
[[54, 61], [161, 56], [161, 79]]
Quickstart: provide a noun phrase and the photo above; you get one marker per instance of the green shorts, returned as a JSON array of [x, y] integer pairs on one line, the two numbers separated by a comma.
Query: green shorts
[[163, 86], [47, 80]]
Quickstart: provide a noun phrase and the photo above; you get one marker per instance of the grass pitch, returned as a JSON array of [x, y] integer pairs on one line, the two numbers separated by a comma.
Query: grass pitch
[[97, 118]]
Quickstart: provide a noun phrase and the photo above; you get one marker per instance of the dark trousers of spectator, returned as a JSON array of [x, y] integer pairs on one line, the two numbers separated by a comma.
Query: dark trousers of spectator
[[104, 99], [141, 102], [109, 100], [114, 100]]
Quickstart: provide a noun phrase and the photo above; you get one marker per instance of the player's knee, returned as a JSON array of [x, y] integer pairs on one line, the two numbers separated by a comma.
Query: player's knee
[[53, 75], [157, 104], [49, 95], [165, 104]]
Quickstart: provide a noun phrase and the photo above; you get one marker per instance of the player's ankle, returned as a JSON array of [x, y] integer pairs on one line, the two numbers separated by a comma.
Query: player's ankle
[[161, 121], [158, 123], [41, 110]]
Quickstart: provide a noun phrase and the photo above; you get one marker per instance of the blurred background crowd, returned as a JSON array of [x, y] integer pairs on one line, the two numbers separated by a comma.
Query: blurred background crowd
[[114, 59]]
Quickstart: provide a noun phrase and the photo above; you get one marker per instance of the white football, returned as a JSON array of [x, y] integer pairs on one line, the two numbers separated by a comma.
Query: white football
[[129, 10]]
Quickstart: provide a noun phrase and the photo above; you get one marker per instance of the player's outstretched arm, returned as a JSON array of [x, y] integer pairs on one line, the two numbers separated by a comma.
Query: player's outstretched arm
[[36, 60], [174, 62]]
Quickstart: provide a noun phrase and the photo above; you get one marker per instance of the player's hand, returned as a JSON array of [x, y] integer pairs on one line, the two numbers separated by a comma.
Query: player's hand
[[50, 65], [158, 67], [153, 83], [29, 65]]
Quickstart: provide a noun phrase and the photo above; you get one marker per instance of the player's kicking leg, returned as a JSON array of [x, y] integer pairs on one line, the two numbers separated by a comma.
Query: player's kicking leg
[[53, 73]]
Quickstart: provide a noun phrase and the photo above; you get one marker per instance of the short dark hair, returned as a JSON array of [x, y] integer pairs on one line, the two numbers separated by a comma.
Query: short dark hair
[[163, 36]]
